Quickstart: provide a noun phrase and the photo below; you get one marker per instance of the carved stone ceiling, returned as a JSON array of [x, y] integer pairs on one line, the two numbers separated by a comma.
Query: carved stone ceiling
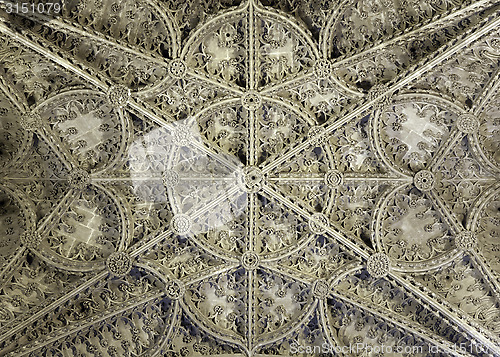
[[186, 178]]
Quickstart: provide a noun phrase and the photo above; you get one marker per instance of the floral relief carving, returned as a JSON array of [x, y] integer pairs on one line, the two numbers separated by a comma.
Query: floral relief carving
[[250, 178]]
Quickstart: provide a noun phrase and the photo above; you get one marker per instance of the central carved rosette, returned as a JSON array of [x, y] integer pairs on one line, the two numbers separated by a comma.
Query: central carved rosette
[[253, 179]]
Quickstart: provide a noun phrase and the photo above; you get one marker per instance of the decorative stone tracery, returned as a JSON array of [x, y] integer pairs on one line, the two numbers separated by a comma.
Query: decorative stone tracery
[[236, 178]]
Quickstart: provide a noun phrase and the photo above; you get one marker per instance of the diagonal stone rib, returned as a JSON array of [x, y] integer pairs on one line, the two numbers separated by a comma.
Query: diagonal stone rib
[[402, 323], [44, 49], [10, 268], [60, 148], [26, 320], [362, 252], [489, 91], [49, 221], [399, 83], [486, 273], [445, 148], [93, 320], [440, 21], [479, 334], [441, 207], [57, 24]]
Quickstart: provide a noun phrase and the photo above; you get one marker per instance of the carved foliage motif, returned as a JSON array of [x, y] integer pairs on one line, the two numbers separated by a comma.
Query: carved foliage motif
[[241, 178]]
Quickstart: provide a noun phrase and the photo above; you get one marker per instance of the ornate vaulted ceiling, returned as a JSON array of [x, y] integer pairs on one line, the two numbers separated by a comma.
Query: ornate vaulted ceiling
[[185, 178]]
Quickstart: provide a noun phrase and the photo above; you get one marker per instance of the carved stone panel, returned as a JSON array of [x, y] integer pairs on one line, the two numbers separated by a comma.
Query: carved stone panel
[[250, 178]]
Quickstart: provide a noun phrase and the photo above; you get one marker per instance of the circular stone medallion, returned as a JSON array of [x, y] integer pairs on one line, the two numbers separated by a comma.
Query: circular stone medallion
[[467, 123], [466, 240], [253, 179], [118, 95], [250, 260], [318, 223], [333, 178], [181, 224], [177, 68], [251, 101], [424, 180], [378, 265], [175, 289], [119, 263]]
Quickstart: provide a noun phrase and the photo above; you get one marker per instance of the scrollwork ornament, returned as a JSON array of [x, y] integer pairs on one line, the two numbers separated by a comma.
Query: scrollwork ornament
[[283, 145], [378, 265], [466, 240], [119, 263], [31, 121], [318, 223], [31, 239], [175, 289], [177, 68], [79, 179], [250, 260], [181, 224], [468, 123], [424, 180], [118, 95]]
